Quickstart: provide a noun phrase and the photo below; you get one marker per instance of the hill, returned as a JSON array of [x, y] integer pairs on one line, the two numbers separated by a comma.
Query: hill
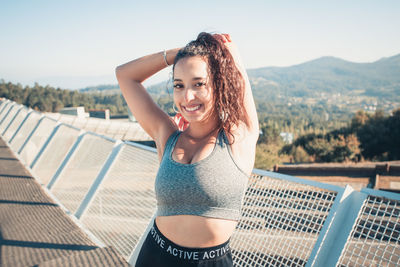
[[331, 75], [325, 75]]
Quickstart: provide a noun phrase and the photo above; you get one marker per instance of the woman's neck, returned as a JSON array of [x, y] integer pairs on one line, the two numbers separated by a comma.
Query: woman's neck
[[200, 131]]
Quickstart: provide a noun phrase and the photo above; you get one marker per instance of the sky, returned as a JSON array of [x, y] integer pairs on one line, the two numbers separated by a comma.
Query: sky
[[74, 44]]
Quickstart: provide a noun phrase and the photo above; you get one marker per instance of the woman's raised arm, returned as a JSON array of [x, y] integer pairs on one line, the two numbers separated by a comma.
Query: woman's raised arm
[[248, 99], [149, 115]]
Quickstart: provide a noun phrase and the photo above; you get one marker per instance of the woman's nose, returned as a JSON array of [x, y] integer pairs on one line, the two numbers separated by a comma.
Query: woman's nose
[[189, 95]]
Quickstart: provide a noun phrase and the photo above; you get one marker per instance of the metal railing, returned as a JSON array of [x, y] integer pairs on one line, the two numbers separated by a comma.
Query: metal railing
[[107, 186], [115, 129]]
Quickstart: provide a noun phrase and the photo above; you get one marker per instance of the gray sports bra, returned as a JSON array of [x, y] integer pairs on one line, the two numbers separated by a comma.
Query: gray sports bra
[[212, 187]]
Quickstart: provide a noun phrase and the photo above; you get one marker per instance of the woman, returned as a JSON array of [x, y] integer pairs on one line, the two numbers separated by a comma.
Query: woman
[[205, 168]]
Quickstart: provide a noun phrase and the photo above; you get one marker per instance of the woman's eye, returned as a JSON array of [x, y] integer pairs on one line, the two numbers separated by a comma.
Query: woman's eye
[[177, 86], [200, 84]]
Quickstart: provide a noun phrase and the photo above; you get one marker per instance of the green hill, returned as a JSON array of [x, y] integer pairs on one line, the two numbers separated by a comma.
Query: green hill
[[330, 75]]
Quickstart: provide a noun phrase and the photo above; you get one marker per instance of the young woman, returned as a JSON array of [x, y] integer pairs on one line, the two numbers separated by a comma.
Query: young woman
[[204, 169]]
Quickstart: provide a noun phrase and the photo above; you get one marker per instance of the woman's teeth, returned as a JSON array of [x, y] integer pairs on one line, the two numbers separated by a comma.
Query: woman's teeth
[[192, 108]]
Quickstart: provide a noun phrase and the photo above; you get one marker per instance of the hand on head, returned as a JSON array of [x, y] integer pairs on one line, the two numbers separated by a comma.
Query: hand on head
[[223, 37], [226, 39]]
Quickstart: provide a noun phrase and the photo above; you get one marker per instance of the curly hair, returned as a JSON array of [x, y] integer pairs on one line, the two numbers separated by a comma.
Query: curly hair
[[227, 81]]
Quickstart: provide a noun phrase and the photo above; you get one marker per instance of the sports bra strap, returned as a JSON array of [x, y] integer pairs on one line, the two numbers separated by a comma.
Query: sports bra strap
[[170, 142]]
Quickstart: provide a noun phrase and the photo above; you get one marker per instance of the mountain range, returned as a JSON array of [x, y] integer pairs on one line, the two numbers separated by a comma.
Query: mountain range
[[329, 75]]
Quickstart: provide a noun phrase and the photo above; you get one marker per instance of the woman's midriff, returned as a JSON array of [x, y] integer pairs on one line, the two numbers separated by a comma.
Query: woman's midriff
[[195, 231]]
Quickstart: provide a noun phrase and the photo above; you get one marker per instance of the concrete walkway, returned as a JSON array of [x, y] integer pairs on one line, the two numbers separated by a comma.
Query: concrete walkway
[[34, 231]]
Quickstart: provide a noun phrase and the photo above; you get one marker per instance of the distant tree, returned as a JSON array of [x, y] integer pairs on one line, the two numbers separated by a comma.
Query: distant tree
[[269, 135], [267, 155], [300, 155], [47, 98], [165, 102], [373, 136], [393, 129], [359, 119], [335, 146]]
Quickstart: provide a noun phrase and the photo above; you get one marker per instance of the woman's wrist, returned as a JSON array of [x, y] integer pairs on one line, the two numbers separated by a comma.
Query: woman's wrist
[[170, 55], [165, 58]]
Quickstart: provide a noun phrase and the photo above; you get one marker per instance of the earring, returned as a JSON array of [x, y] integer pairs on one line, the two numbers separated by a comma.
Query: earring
[[174, 108], [223, 115]]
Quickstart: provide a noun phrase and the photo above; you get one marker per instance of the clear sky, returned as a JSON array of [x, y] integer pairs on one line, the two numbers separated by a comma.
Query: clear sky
[[76, 43]]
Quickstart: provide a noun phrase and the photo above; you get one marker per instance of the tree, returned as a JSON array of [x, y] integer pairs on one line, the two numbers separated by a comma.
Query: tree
[[393, 137], [270, 135], [359, 119], [373, 137]]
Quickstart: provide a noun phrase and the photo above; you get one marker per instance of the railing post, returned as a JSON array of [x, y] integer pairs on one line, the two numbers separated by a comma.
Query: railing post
[[135, 252], [12, 120], [45, 145], [20, 126], [100, 177], [381, 193], [337, 228], [30, 134], [4, 106], [8, 112]]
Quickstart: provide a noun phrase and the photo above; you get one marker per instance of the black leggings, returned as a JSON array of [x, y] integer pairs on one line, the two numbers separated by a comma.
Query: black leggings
[[157, 251]]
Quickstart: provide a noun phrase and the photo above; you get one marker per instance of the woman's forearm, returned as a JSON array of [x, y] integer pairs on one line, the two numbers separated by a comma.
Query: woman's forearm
[[144, 67], [248, 95]]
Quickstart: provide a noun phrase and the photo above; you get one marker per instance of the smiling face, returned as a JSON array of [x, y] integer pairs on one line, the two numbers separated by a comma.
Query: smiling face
[[193, 94]]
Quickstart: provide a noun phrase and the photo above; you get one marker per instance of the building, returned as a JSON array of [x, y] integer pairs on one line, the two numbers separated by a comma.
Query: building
[[100, 113], [76, 111]]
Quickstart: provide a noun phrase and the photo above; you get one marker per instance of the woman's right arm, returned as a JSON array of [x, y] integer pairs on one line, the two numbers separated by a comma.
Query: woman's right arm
[[149, 115]]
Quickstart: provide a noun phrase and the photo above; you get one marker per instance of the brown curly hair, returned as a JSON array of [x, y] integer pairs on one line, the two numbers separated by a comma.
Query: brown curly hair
[[227, 81]]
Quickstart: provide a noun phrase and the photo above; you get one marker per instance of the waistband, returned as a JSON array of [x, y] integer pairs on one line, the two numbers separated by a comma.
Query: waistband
[[186, 253]]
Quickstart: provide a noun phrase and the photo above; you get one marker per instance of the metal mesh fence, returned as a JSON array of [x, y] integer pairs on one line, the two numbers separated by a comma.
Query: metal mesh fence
[[3, 105], [92, 124], [116, 128], [280, 222], [282, 218], [55, 152], [125, 201], [136, 132], [8, 117], [120, 130], [67, 119], [25, 130], [81, 171], [41, 134], [80, 122], [54, 116], [6, 109], [374, 240], [16, 122], [102, 127]]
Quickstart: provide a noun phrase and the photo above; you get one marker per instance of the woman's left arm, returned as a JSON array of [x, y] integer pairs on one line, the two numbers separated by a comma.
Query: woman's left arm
[[248, 100]]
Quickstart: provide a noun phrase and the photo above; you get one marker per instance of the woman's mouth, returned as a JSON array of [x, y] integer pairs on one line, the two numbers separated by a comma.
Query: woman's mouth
[[192, 108]]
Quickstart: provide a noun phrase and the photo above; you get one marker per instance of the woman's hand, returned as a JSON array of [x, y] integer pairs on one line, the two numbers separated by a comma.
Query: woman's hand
[[231, 46]]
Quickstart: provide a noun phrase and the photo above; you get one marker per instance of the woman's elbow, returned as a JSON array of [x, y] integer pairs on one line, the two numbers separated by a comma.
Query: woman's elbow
[[118, 71], [255, 127]]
